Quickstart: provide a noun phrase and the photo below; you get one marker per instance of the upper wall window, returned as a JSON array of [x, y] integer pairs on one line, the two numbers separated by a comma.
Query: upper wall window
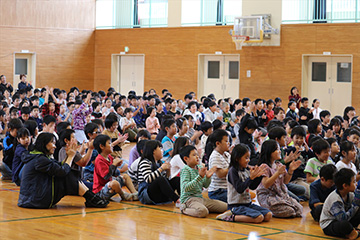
[[210, 12], [320, 11], [131, 13]]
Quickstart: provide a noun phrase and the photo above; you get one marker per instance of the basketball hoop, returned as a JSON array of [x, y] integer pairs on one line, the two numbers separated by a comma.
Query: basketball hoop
[[239, 40]]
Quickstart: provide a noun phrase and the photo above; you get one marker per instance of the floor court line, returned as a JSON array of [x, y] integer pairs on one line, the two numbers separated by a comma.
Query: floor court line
[[66, 215], [243, 234], [248, 224]]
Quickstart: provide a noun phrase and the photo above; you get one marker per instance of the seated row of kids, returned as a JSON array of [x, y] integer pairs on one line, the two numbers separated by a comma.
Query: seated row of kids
[[82, 155]]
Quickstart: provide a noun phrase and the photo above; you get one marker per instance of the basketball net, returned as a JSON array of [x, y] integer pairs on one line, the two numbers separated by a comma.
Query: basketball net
[[239, 40]]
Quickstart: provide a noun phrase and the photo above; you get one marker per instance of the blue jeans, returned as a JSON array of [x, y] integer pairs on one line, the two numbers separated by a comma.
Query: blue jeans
[[5, 171], [295, 191], [220, 194]]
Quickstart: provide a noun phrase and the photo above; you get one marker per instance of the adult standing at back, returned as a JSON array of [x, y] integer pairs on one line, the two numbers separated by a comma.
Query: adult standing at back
[[295, 96], [5, 85], [23, 84]]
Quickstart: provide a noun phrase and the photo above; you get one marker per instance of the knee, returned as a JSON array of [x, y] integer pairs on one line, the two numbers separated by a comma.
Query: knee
[[114, 184], [267, 217], [202, 212], [259, 219], [126, 177]]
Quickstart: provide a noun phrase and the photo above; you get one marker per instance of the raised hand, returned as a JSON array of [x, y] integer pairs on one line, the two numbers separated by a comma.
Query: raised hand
[[294, 165], [281, 169], [117, 162], [202, 171]]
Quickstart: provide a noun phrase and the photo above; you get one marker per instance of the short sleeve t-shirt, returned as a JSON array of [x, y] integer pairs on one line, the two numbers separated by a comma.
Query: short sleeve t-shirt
[[313, 166], [340, 164], [220, 161]]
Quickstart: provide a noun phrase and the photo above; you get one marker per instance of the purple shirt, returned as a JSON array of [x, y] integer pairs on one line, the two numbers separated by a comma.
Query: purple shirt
[[133, 155], [79, 116]]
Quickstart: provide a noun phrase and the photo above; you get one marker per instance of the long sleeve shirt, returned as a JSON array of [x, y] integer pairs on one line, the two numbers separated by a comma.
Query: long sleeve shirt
[[46, 111], [79, 116], [191, 183], [146, 173]]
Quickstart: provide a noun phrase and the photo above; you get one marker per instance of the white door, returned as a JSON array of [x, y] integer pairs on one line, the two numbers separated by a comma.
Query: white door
[[231, 79], [341, 91], [329, 80], [23, 65], [131, 72], [221, 76], [214, 76]]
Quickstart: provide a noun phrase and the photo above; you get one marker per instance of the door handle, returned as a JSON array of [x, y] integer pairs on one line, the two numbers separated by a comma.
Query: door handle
[[332, 91], [329, 90]]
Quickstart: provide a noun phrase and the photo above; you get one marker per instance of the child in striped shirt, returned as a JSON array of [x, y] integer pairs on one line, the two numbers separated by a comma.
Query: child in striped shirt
[[192, 179]]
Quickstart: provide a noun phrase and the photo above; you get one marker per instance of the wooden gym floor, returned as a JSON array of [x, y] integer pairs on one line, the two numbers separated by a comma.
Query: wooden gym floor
[[132, 220]]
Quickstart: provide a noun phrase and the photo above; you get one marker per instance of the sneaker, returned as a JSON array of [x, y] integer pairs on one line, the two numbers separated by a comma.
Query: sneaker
[[127, 196], [96, 202], [135, 196], [226, 216]]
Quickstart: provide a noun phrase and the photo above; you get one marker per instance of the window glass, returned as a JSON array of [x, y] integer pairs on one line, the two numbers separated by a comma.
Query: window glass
[[319, 71], [213, 69], [343, 72]]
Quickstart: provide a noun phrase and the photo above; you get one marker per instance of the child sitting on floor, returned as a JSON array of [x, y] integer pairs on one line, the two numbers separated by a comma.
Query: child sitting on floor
[[105, 169], [340, 215], [192, 179], [240, 180], [272, 192], [348, 152], [320, 190]]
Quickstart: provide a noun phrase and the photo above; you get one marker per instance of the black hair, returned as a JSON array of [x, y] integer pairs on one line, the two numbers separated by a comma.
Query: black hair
[[299, 131], [312, 139], [193, 103], [240, 112], [277, 110], [25, 110], [65, 134], [206, 125], [291, 90], [218, 135], [319, 145], [346, 146], [312, 125], [180, 142], [2, 113], [34, 107], [69, 104], [23, 132], [274, 123], [258, 100], [249, 122], [277, 99], [31, 125], [292, 123], [100, 140], [267, 148], [110, 120], [62, 126], [314, 101], [99, 122], [149, 110], [334, 122], [127, 110], [168, 122], [180, 121], [188, 117], [346, 111], [188, 96], [237, 102], [331, 140], [328, 171], [324, 113], [90, 128], [237, 153], [343, 176], [49, 119], [143, 133], [148, 152], [140, 146], [290, 103], [185, 151], [304, 99], [276, 133], [42, 140], [15, 123], [217, 124], [95, 104], [270, 101]]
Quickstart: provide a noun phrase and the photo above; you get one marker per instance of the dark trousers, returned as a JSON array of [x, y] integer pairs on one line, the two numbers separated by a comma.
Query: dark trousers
[[162, 190], [342, 228], [316, 212]]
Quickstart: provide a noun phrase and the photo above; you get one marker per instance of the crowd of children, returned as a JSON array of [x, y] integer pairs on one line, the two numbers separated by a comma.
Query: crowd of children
[[58, 143]]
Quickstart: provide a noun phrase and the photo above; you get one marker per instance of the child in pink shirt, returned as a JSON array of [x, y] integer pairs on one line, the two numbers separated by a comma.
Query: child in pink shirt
[[152, 122]]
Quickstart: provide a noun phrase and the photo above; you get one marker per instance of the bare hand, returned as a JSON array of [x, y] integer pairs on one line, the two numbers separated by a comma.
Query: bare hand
[[202, 171], [257, 171], [329, 133], [294, 165], [281, 169], [117, 162], [166, 166], [210, 172]]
